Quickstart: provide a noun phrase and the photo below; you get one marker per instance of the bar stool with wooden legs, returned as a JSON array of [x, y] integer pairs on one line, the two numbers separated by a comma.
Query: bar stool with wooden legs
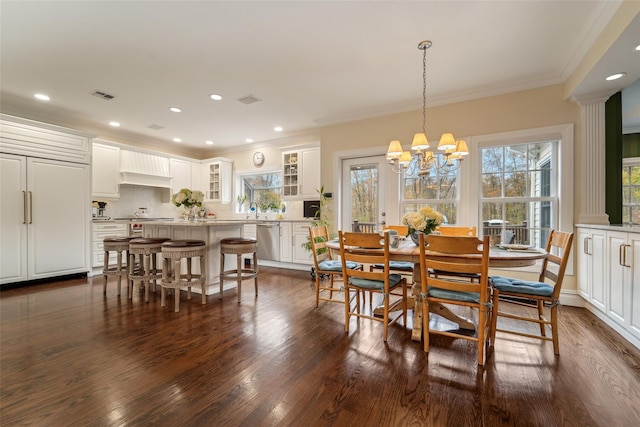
[[147, 248], [119, 270], [239, 246], [173, 252]]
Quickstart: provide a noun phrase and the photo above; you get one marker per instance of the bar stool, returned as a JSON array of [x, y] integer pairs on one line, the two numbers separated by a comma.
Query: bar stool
[[119, 245], [173, 252], [147, 248], [239, 246]]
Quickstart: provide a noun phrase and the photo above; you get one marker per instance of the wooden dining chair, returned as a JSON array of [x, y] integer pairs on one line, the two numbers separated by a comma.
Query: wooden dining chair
[[449, 289], [401, 267], [326, 266], [535, 294], [457, 230], [370, 248]]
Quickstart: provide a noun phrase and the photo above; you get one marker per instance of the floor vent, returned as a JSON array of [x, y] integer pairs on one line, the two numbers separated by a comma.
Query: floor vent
[[102, 95], [249, 99]]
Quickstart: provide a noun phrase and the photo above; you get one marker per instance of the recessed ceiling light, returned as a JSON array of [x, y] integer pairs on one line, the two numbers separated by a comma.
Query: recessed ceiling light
[[278, 128], [175, 109], [114, 124], [249, 140], [615, 76], [638, 47], [42, 97], [215, 97], [177, 140], [209, 142]]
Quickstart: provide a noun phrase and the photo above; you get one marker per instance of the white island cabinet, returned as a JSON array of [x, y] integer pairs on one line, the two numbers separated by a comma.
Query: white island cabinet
[[211, 232], [46, 206], [609, 276]]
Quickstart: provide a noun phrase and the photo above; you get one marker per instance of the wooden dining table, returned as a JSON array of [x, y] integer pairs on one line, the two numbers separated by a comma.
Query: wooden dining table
[[408, 251]]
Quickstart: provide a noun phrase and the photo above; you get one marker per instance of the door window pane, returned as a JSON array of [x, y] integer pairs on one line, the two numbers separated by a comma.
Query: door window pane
[[364, 193]]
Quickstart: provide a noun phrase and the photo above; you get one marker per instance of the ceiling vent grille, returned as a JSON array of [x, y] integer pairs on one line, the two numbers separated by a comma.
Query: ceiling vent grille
[[249, 99], [102, 95], [155, 126]]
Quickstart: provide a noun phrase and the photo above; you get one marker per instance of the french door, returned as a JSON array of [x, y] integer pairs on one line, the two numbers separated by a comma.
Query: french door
[[369, 193]]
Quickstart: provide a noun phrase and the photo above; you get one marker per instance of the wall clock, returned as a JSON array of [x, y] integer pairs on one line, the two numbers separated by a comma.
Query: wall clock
[[258, 158]]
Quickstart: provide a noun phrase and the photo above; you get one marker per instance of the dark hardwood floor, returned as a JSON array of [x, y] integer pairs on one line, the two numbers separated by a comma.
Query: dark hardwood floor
[[71, 356]]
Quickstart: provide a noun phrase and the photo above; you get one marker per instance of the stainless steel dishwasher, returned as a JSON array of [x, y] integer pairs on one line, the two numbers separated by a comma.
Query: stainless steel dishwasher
[[268, 234]]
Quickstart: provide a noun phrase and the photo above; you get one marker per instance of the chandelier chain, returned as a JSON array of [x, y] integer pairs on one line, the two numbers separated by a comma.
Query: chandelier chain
[[424, 91]]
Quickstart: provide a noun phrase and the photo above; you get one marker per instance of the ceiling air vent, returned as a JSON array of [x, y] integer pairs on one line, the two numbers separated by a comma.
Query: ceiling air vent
[[102, 95], [249, 99], [155, 126]]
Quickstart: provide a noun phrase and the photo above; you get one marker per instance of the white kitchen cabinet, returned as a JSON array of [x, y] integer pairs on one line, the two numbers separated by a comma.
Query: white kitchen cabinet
[[101, 230], [180, 174], [310, 163], [301, 173], [218, 179], [45, 218], [300, 233], [105, 172], [591, 265], [286, 242], [609, 276]]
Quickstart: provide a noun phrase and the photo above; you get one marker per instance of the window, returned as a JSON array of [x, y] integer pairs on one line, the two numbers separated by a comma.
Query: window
[[264, 190], [631, 191], [518, 200], [512, 186], [434, 189]]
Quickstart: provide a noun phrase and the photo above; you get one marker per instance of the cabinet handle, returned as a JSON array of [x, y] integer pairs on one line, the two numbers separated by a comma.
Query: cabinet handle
[[585, 245], [24, 206], [621, 255], [30, 207], [624, 260]]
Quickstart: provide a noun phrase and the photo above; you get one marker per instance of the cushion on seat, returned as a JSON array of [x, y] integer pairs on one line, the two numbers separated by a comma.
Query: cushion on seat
[[508, 284], [397, 265], [333, 265], [453, 295], [394, 279]]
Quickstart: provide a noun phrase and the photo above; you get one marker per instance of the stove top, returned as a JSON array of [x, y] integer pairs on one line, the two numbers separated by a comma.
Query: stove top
[[143, 219]]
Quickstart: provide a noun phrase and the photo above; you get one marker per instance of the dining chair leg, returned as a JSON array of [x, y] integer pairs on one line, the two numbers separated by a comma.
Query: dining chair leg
[[347, 302], [425, 324], [543, 327], [494, 316], [554, 329]]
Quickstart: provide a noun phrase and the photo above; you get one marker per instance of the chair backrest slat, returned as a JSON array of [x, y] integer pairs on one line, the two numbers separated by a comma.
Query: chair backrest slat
[[377, 252], [319, 237], [457, 230]]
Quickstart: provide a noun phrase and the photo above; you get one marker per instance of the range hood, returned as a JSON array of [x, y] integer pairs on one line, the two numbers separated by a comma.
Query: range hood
[[149, 170]]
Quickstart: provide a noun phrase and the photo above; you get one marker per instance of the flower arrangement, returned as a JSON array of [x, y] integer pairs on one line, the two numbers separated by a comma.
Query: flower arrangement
[[187, 198], [425, 220]]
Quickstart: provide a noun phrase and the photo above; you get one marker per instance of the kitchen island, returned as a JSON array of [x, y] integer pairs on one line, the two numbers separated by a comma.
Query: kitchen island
[[211, 232]]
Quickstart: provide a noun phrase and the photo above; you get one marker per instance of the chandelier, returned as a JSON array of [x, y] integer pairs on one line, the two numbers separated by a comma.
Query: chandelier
[[450, 152]]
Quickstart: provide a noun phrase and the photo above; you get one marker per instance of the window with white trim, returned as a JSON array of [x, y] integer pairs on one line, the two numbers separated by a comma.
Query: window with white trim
[[434, 189], [518, 201], [631, 190]]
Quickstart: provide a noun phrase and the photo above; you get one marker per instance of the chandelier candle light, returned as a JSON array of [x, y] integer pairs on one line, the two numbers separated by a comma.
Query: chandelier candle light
[[452, 151]]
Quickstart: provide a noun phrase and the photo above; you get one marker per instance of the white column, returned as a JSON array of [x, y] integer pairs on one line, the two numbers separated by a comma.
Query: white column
[[592, 209]]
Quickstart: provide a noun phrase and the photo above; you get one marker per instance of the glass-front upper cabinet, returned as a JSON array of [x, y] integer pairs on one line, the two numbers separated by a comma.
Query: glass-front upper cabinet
[[290, 174], [218, 180]]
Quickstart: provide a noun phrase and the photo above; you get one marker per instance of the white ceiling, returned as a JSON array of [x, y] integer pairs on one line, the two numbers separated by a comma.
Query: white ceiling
[[311, 63]]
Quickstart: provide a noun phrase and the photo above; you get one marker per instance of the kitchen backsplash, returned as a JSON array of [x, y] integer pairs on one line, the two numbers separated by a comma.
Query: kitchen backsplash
[[132, 197]]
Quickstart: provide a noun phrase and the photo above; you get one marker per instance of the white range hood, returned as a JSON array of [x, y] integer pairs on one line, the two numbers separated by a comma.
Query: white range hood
[[150, 170]]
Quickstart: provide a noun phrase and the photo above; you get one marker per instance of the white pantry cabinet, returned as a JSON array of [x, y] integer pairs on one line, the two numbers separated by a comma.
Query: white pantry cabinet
[[45, 218]]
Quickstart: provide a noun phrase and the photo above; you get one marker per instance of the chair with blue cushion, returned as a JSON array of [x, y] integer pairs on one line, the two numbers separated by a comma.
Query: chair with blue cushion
[[371, 248], [401, 267], [325, 266], [535, 294], [471, 257]]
